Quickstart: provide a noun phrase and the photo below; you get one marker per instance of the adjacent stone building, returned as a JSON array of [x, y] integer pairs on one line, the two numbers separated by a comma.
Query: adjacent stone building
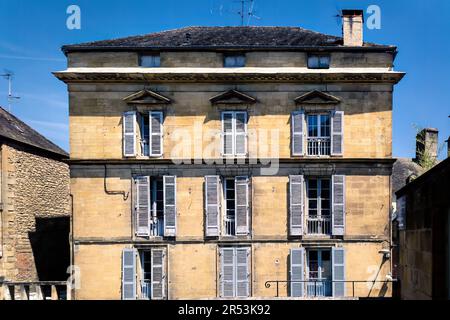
[[207, 161], [34, 205]]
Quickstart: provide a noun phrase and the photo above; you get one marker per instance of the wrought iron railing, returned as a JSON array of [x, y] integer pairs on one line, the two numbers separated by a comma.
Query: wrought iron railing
[[37, 290], [319, 146], [317, 287], [230, 227], [157, 227], [146, 289], [319, 225]]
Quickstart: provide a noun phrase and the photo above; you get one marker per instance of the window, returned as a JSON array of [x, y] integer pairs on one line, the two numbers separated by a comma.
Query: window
[[232, 217], [319, 139], [155, 206], [234, 277], [149, 267], [319, 273], [234, 60], [151, 133], [234, 133], [319, 206], [318, 61], [150, 60]]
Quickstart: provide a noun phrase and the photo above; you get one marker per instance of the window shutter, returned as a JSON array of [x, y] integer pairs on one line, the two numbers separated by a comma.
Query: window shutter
[[337, 133], [241, 204], [158, 274], [142, 207], [156, 133], [170, 207], [298, 121], [212, 206], [297, 258], [227, 133], [296, 204], [338, 202], [338, 258], [128, 274], [129, 134], [227, 278], [240, 133], [242, 272]]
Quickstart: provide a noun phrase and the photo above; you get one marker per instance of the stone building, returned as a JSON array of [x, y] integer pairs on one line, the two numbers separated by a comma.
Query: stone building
[[207, 161], [34, 205], [424, 236]]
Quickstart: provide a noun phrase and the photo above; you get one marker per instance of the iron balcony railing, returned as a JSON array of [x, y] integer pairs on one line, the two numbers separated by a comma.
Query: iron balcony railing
[[319, 146], [319, 225], [324, 287], [157, 227], [34, 290], [146, 289], [230, 227]]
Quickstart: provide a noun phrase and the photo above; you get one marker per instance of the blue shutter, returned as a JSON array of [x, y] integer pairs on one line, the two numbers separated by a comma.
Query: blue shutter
[[142, 206], [227, 274], [242, 272], [337, 133], [240, 132], [297, 139], [241, 205], [227, 134], [338, 203], [296, 204], [156, 133], [338, 260], [170, 206], [297, 258], [128, 274], [129, 133], [158, 274], [212, 207]]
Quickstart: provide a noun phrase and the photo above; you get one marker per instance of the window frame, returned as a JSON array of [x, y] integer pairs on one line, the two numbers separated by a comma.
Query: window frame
[[319, 195], [153, 59], [235, 57], [234, 133], [318, 56], [317, 115]]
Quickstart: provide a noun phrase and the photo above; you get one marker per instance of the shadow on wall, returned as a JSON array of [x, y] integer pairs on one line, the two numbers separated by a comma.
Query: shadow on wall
[[51, 249]]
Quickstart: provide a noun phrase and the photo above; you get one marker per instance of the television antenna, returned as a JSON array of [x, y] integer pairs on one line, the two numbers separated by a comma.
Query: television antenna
[[8, 75], [247, 9]]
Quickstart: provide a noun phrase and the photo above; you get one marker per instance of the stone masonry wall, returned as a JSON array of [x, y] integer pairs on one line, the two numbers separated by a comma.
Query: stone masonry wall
[[37, 187]]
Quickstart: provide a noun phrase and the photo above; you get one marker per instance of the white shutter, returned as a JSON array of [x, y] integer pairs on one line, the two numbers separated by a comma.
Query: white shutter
[[337, 133], [241, 205], [158, 276], [296, 259], [338, 260], [142, 207], [297, 124], [227, 133], [156, 133], [296, 204], [338, 204], [170, 207], [242, 272], [240, 131], [212, 207], [128, 274], [129, 133], [227, 275]]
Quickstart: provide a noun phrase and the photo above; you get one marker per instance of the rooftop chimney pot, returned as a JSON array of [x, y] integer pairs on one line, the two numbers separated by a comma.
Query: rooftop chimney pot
[[352, 27], [427, 144]]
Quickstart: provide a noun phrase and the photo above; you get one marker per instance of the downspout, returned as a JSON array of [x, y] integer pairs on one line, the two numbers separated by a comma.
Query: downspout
[[111, 192], [72, 244]]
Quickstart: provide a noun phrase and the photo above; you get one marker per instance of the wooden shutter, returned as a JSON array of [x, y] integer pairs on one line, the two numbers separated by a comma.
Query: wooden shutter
[[242, 272], [241, 205], [296, 205], [212, 207], [227, 275], [158, 274], [129, 133], [338, 260], [240, 131], [337, 133], [156, 133], [338, 203], [128, 274], [142, 207], [170, 207], [227, 133], [297, 258], [297, 123]]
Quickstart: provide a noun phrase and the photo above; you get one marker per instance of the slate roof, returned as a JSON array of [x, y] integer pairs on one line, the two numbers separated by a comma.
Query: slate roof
[[221, 38], [16, 130], [401, 170]]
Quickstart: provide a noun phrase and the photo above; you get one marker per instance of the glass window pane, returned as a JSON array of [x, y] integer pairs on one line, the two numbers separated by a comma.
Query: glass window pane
[[150, 61], [325, 125], [240, 121], [313, 62], [228, 122], [324, 61]]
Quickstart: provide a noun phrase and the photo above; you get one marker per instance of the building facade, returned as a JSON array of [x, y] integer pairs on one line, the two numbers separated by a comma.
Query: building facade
[[207, 161], [34, 205]]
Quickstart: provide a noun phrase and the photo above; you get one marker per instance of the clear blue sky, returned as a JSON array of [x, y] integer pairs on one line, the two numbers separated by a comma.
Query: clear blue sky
[[32, 32]]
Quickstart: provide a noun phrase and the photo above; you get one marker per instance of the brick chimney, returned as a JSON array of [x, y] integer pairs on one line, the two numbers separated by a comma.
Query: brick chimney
[[352, 27], [427, 139]]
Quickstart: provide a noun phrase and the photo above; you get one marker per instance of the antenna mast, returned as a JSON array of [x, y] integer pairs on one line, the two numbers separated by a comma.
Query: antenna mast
[[8, 75]]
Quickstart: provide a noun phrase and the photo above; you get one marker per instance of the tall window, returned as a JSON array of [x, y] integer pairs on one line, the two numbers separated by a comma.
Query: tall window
[[152, 274], [319, 273], [230, 207], [234, 60], [319, 206], [150, 60], [319, 128], [234, 133], [234, 275], [157, 206]]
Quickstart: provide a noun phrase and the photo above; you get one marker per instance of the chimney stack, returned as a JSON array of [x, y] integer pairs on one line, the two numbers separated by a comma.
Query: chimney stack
[[352, 27], [427, 144], [448, 147]]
